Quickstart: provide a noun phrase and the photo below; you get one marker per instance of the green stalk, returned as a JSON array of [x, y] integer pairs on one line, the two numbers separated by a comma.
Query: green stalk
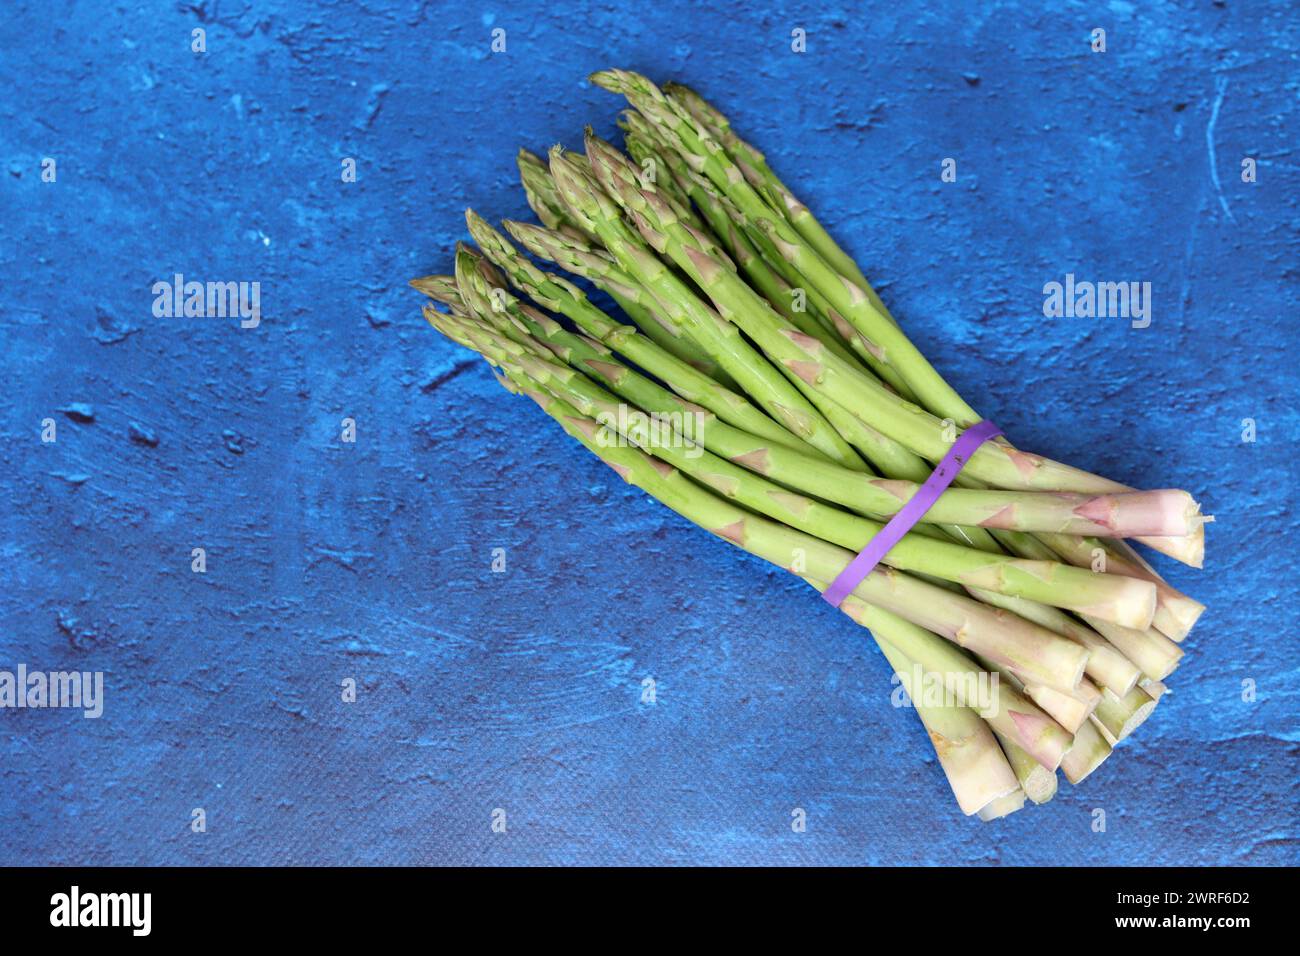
[[969, 754], [1117, 717], [1175, 614], [1037, 782], [849, 298], [695, 144], [768, 284], [1087, 753], [808, 359], [562, 296], [544, 199], [1003, 806], [579, 256], [1069, 710], [439, 288], [1044, 657], [759, 175], [723, 342], [1011, 714], [1122, 599], [1106, 665]]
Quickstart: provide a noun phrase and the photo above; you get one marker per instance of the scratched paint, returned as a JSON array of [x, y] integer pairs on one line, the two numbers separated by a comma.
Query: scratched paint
[[523, 691]]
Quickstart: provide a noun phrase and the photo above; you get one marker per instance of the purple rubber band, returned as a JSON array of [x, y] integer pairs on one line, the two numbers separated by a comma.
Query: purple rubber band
[[912, 512]]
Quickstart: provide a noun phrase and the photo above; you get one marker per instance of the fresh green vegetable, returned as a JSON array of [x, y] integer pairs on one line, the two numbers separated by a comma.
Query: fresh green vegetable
[[756, 384]]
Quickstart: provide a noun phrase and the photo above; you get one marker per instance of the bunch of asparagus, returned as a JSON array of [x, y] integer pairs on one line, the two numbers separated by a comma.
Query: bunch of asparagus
[[757, 385]]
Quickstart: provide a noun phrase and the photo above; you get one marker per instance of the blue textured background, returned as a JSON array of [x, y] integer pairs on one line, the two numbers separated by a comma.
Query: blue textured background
[[522, 691]]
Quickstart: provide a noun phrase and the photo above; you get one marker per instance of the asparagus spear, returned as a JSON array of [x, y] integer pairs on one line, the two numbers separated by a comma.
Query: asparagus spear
[[789, 467], [438, 288], [542, 196], [753, 164], [807, 358], [1107, 666], [1117, 717], [1039, 654], [1011, 714], [1086, 754], [1067, 709], [676, 125], [883, 452], [1155, 654], [558, 294], [1037, 782], [721, 341], [1002, 806], [710, 158], [969, 754], [670, 169], [1176, 613], [539, 188]]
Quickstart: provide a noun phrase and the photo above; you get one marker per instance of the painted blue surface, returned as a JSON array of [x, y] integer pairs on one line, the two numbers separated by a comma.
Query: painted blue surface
[[371, 561]]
